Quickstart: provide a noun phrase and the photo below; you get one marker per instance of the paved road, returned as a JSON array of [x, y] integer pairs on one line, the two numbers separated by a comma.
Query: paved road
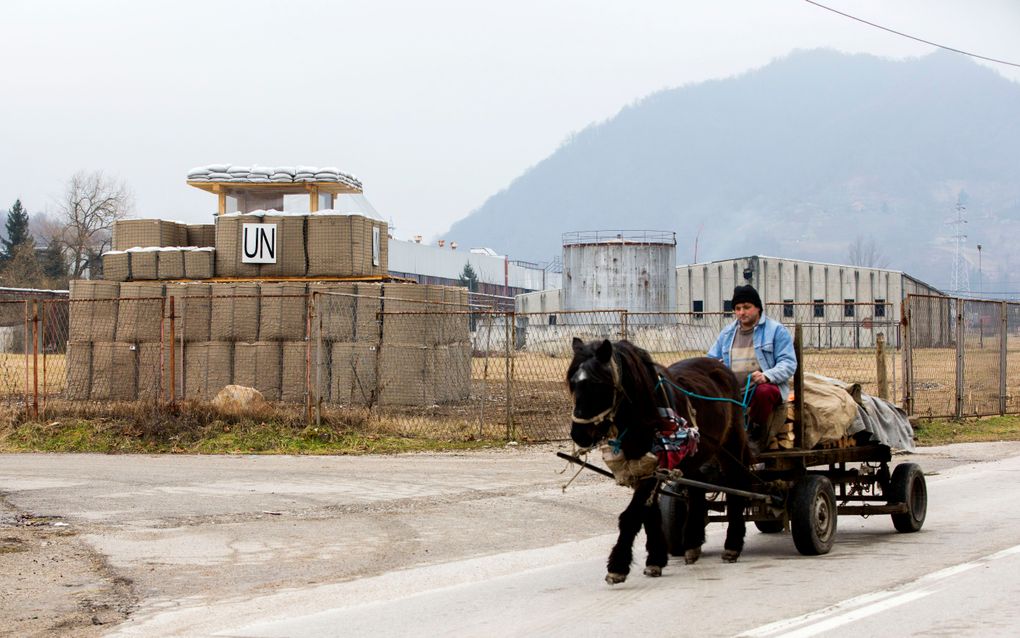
[[488, 544]]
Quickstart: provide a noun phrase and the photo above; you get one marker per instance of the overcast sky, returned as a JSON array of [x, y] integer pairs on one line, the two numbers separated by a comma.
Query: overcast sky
[[433, 105]]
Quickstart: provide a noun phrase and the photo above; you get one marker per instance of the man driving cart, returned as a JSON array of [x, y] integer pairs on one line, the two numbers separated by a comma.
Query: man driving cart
[[760, 352]]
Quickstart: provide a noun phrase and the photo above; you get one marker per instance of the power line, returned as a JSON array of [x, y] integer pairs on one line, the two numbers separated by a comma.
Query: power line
[[906, 35]]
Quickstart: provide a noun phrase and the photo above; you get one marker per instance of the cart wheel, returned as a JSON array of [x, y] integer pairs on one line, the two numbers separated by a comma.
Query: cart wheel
[[813, 515], [674, 514], [908, 486], [769, 527]]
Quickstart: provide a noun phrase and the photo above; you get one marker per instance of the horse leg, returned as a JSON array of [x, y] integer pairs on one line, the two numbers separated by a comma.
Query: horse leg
[[735, 528], [694, 525], [655, 539], [622, 554]]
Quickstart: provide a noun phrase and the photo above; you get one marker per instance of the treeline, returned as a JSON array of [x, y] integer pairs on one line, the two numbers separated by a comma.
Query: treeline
[[43, 251], [23, 262]]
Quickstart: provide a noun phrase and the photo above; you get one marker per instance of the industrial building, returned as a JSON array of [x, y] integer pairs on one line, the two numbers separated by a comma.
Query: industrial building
[[443, 264], [825, 288], [791, 289]]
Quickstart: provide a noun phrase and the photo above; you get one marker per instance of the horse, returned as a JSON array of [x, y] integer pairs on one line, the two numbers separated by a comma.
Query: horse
[[618, 391]]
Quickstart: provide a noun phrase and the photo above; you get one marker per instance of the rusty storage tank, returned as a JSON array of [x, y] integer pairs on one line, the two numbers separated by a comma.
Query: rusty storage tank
[[620, 269]]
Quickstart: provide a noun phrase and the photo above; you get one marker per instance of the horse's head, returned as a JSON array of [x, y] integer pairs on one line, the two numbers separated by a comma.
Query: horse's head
[[594, 380]]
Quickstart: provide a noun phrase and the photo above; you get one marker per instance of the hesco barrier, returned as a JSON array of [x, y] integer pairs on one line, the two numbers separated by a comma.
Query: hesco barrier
[[150, 233], [422, 361]]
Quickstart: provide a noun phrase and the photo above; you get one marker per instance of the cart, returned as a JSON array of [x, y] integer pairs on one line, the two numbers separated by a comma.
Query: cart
[[807, 490]]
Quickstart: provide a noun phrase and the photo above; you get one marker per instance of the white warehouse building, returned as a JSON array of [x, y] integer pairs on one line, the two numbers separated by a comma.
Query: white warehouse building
[[707, 287]]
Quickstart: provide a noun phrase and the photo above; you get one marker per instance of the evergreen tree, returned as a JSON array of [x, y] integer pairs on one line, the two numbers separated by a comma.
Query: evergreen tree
[[17, 231], [54, 264], [468, 278]]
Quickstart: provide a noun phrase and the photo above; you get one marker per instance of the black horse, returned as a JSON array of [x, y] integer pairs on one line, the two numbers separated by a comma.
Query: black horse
[[620, 392]]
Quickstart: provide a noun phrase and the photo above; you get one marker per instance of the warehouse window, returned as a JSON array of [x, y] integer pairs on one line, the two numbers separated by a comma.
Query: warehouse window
[[787, 308], [819, 307], [552, 320], [698, 307], [727, 306], [848, 307], [880, 307]]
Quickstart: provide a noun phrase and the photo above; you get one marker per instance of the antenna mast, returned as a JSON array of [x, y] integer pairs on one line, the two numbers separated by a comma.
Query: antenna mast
[[961, 272]]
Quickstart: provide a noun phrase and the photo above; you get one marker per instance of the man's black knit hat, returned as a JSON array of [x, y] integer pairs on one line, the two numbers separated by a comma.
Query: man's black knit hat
[[746, 294]]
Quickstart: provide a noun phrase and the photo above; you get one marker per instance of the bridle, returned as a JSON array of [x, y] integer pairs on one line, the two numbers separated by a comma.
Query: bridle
[[609, 413]]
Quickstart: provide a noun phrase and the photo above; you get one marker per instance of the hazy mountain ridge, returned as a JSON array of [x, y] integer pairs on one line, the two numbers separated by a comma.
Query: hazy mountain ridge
[[794, 159]]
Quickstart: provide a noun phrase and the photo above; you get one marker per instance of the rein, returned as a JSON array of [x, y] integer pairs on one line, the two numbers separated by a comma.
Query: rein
[[743, 404]]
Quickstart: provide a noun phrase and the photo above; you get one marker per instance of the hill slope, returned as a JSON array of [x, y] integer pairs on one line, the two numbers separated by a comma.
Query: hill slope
[[795, 159]]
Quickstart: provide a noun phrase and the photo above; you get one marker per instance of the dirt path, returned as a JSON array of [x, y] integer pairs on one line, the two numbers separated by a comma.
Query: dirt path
[[51, 583]]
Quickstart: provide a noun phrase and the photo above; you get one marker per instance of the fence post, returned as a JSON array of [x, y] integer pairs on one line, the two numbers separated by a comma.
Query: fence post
[[798, 386], [173, 362], [42, 331], [35, 358], [508, 318], [908, 358], [883, 387], [309, 314], [623, 324], [317, 300], [1003, 336], [25, 339], [162, 348], [960, 334]]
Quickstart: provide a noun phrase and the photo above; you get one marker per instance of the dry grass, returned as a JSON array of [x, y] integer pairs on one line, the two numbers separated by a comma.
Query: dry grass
[[524, 398]]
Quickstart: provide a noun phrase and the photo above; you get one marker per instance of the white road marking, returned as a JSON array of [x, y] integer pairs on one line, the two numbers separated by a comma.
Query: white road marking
[[852, 609]]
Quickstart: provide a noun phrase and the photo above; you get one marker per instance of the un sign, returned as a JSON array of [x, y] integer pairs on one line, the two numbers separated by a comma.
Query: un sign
[[258, 243]]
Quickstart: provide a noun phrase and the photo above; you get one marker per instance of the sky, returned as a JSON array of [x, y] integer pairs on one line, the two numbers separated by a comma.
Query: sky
[[435, 105]]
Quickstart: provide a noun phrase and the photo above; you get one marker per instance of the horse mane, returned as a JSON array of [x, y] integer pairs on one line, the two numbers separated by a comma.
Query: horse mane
[[636, 363]]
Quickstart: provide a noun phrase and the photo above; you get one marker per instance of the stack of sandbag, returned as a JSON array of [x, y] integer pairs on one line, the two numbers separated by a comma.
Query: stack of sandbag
[[270, 174]]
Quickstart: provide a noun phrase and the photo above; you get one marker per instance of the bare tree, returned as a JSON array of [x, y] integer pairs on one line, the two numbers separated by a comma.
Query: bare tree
[[91, 203], [866, 253]]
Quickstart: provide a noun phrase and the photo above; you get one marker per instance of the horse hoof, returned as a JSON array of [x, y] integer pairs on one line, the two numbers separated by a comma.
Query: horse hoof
[[691, 556], [653, 570], [730, 556], [614, 579]]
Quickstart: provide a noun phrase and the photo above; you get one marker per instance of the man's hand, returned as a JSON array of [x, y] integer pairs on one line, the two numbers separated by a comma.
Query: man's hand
[[758, 378]]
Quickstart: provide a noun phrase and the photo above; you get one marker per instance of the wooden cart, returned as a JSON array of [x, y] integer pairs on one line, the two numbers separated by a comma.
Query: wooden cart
[[807, 490]]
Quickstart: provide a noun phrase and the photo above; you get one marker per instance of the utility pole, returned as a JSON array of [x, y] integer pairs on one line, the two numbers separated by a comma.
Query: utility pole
[[961, 275], [980, 288]]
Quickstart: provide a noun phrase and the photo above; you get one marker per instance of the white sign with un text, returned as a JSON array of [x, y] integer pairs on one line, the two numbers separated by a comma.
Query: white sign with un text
[[258, 243]]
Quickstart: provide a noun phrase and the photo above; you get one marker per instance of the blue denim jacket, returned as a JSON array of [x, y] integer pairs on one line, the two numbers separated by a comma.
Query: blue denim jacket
[[773, 347]]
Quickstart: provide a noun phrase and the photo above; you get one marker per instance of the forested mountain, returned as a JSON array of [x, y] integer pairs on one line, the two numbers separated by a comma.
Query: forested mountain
[[796, 159]]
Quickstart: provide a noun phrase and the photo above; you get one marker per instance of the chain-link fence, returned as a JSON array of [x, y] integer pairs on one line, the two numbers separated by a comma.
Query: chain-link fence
[[413, 360], [962, 357]]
